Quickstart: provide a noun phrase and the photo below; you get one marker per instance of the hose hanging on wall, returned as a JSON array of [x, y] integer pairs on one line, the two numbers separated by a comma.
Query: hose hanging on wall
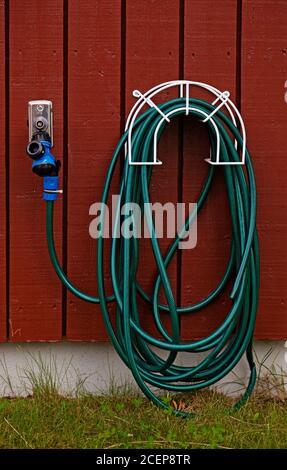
[[225, 346]]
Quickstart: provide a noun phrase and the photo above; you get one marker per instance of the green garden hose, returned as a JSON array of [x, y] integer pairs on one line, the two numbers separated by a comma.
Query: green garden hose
[[225, 346]]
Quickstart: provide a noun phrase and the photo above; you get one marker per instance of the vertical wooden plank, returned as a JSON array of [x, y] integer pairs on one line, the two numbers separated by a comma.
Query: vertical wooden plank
[[94, 85], [264, 75], [210, 57], [36, 72], [152, 57], [2, 178]]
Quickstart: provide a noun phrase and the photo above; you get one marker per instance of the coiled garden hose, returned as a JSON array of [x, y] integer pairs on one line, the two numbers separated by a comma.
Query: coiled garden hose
[[137, 348]]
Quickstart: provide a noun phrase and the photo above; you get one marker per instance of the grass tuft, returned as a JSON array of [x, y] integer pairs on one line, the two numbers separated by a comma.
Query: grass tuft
[[51, 417], [53, 421]]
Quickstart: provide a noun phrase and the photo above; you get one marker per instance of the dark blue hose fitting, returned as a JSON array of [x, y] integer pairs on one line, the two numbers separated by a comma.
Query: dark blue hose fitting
[[45, 164], [51, 188]]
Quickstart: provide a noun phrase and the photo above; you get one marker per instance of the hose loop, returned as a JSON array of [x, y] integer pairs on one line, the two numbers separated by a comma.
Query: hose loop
[[153, 360]]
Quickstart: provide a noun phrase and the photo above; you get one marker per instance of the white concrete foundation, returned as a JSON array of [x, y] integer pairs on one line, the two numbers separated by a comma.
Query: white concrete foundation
[[72, 367]]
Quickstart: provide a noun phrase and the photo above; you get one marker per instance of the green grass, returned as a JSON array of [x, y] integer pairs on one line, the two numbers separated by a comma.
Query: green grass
[[47, 420]]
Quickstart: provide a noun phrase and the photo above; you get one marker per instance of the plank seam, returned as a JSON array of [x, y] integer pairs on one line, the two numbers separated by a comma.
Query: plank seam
[[65, 161], [238, 53], [7, 161], [123, 66], [180, 141]]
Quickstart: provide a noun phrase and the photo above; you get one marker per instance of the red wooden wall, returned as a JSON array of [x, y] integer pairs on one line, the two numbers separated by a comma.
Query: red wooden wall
[[87, 56]]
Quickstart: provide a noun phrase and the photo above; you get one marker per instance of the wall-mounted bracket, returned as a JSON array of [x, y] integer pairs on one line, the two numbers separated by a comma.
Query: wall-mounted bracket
[[222, 98]]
